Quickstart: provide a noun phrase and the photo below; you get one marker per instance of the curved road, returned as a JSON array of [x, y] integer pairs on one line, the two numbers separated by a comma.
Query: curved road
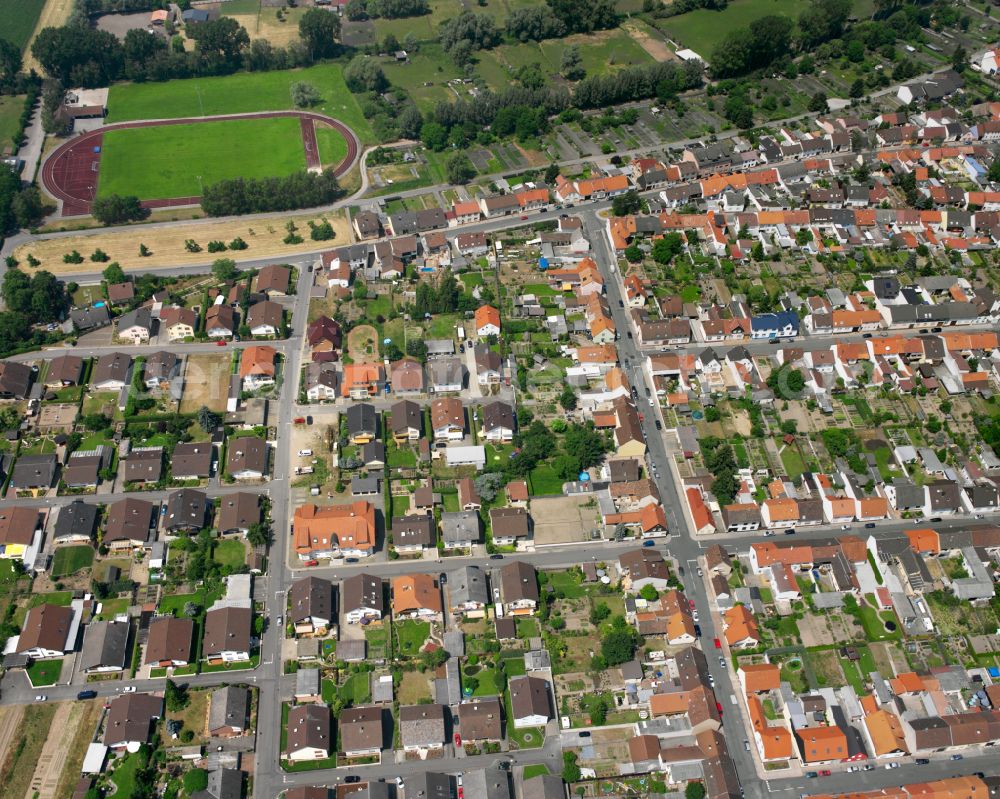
[[56, 165]]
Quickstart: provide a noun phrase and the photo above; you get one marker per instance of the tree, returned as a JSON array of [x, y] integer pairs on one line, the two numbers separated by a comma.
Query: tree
[[626, 204], [694, 790], [551, 173], [571, 65], [666, 248], [195, 780], [27, 207], [818, 103], [857, 90], [224, 269], [459, 168], [113, 273], [571, 771], [221, 42], [305, 94], [256, 195], [175, 696], [364, 74], [9, 418], [10, 62], [993, 174], [79, 55], [488, 485], [618, 646], [600, 612], [417, 348], [117, 209], [318, 30], [409, 122], [478, 31], [822, 21], [534, 24], [633, 254], [434, 136], [207, 419], [259, 534], [567, 399], [585, 16], [649, 593]]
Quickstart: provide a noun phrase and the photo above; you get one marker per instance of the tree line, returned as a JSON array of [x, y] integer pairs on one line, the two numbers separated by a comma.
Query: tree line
[[79, 55], [258, 195]]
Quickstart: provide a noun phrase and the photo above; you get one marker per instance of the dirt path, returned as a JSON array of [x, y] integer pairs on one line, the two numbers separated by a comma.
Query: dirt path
[[56, 750], [645, 38], [10, 720], [54, 15]]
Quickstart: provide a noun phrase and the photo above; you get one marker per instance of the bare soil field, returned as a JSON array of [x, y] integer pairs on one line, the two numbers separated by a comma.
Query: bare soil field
[[19, 763], [561, 520], [52, 760], [644, 37], [10, 721], [206, 382], [166, 244]]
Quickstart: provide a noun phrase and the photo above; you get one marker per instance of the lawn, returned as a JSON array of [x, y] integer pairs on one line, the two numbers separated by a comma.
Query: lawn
[[124, 775], [527, 627], [61, 598], [174, 603], [179, 160], [331, 144], [544, 481], [111, 608], [10, 115], [400, 457], [19, 19], [68, 560], [792, 462], [357, 689], [243, 92], [701, 30], [566, 583], [45, 672], [410, 636], [535, 770], [231, 553], [489, 683]]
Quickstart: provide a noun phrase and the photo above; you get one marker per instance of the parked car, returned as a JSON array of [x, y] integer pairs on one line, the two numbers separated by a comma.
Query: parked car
[[584, 734], [825, 773], [746, 745], [458, 739], [86, 695], [870, 526], [922, 761], [659, 426], [718, 706], [352, 778], [311, 563], [220, 343], [812, 774], [892, 765], [497, 556], [718, 643], [649, 543], [41, 698]]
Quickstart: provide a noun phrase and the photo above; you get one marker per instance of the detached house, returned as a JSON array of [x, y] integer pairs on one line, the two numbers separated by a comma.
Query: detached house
[[487, 321], [265, 319], [519, 588], [309, 733], [416, 596], [258, 367], [246, 458], [406, 421], [448, 419], [228, 635], [220, 322], [511, 526], [111, 372], [311, 603], [178, 323], [135, 326], [362, 598], [498, 422], [530, 704]]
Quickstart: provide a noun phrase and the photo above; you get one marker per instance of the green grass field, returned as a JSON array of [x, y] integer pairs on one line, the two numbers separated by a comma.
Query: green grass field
[[174, 156], [19, 19], [244, 92], [68, 560], [702, 30], [10, 116], [332, 146], [230, 553]]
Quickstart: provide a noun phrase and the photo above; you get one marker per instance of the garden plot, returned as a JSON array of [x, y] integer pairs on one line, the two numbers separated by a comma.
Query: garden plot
[[206, 383]]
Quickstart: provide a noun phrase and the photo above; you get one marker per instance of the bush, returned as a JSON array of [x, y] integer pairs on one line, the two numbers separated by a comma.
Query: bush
[[116, 209]]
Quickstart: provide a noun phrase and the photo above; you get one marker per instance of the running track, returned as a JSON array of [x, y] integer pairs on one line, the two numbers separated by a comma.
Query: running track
[[70, 172]]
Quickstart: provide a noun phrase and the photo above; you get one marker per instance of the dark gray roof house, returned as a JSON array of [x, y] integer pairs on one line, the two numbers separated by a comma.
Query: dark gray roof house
[[430, 785], [229, 711], [187, 509], [77, 520], [413, 531], [362, 421], [238, 512], [192, 460], [34, 471], [15, 380], [223, 783], [105, 646], [84, 319]]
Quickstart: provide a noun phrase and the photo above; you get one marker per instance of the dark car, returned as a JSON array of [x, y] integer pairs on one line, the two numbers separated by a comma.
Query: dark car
[[497, 556], [352, 778], [935, 518], [870, 526], [86, 695], [790, 531], [812, 774], [697, 631], [444, 579], [659, 425], [584, 734], [922, 761], [621, 304]]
